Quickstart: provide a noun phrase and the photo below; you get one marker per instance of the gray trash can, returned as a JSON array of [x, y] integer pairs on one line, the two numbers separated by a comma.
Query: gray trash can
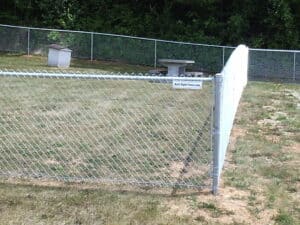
[[59, 56]]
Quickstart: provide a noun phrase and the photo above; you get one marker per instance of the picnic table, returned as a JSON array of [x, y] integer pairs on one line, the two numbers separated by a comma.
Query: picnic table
[[176, 67]]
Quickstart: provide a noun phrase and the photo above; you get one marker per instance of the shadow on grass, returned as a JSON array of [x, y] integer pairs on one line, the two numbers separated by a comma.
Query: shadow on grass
[[102, 188]]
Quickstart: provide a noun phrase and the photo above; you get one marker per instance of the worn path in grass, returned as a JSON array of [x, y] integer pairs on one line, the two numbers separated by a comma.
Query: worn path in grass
[[261, 179]]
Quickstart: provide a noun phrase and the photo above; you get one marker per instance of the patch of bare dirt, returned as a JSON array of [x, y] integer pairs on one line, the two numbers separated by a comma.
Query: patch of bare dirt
[[234, 205], [176, 169], [196, 171], [237, 132], [269, 108], [230, 206], [274, 122], [268, 122], [180, 170], [294, 148], [295, 94], [244, 104], [51, 162], [277, 115], [179, 208], [273, 138], [275, 102], [294, 151]]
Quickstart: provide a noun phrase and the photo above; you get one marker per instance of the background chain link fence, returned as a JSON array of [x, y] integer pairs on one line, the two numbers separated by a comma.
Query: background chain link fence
[[102, 46], [105, 128], [263, 63], [274, 64]]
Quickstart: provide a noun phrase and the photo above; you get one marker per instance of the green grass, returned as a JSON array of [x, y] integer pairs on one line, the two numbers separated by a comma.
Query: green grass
[[260, 178], [15, 61], [266, 158], [284, 219], [42, 205]]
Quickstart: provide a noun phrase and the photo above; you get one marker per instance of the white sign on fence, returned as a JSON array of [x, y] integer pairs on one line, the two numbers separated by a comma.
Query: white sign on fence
[[187, 84]]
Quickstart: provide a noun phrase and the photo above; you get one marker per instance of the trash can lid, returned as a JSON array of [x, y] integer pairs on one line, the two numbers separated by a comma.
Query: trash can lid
[[59, 47]]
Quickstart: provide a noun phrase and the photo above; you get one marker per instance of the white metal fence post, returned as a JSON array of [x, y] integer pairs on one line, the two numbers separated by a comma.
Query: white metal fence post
[[92, 46], [216, 132], [223, 56], [294, 69], [155, 56], [28, 41]]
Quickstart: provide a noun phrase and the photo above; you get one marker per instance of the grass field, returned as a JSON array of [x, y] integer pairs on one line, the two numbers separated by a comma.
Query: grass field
[[260, 182], [15, 61]]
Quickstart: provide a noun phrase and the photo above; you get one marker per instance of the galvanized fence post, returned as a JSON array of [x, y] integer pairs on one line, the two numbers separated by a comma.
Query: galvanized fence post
[[92, 46], [155, 56], [216, 131], [28, 41], [294, 69], [223, 56]]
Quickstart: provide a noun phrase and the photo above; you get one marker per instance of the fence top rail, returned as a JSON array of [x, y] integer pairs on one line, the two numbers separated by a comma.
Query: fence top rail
[[111, 76], [118, 35], [273, 50]]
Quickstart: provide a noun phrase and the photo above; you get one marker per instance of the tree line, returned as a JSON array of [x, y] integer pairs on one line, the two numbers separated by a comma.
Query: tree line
[[257, 23]]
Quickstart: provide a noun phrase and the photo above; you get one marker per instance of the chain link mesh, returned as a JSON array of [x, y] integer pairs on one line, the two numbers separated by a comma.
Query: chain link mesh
[[207, 58], [125, 49], [263, 64], [271, 65], [297, 66], [105, 130], [13, 39], [80, 43], [133, 50]]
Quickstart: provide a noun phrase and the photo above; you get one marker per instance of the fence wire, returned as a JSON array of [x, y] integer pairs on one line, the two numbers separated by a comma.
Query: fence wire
[[274, 64], [13, 39], [263, 63], [102, 46], [105, 128]]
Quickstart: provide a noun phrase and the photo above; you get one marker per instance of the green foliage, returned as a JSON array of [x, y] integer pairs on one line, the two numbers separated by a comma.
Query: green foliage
[[269, 23], [53, 36]]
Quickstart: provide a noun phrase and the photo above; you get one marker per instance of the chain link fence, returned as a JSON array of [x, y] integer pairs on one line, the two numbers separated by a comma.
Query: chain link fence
[[263, 63], [120, 128], [102, 46], [131, 129], [274, 64]]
